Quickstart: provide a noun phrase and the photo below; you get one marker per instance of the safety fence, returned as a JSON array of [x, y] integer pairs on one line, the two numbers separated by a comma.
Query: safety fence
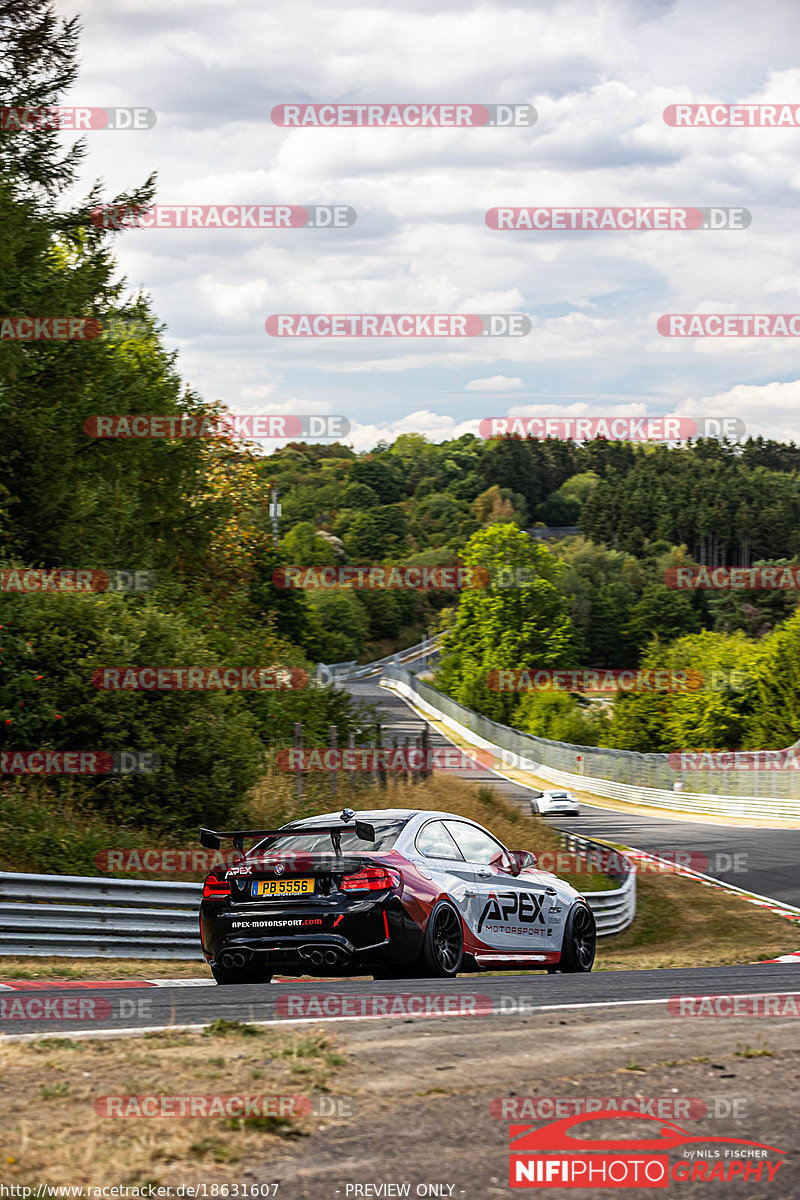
[[86, 917], [643, 779], [75, 916]]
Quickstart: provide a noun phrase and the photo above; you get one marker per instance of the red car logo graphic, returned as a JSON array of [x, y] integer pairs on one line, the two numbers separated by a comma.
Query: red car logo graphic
[[556, 1136]]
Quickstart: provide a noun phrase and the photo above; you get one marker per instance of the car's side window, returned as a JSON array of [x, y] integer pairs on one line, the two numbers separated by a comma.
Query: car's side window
[[434, 841], [474, 844]]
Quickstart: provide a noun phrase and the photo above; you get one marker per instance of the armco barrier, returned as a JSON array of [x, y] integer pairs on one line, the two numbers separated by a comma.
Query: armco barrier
[[73, 916], [615, 909], [350, 670], [617, 774], [83, 917]]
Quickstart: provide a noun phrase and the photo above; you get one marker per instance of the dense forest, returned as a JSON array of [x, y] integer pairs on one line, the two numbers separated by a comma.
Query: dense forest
[[195, 513]]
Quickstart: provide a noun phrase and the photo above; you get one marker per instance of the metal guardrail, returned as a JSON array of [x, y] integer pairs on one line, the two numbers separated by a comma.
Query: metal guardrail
[[338, 672], [74, 916], [645, 779], [615, 909], [77, 916]]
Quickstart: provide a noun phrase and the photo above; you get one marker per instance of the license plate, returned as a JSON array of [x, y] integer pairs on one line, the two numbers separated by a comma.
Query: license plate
[[282, 887]]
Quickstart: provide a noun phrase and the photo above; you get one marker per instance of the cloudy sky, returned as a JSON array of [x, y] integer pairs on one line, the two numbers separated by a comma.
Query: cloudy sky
[[599, 73]]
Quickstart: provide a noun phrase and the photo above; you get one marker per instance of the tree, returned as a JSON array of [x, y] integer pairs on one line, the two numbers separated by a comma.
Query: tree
[[661, 613], [378, 475], [517, 620], [303, 546], [377, 534], [500, 504]]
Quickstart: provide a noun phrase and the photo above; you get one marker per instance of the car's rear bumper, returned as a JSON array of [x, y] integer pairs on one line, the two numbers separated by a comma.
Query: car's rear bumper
[[305, 939]]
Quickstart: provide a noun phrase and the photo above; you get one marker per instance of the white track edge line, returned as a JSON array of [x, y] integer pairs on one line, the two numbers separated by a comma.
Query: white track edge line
[[89, 1034]]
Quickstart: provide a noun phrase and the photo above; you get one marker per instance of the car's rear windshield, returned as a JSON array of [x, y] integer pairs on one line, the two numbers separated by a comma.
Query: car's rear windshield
[[386, 834]]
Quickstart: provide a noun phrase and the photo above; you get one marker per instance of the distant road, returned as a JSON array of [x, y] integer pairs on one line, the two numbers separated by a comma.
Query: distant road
[[772, 856]]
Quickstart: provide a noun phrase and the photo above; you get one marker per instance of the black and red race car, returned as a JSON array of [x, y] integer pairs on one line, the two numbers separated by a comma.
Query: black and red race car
[[390, 893]]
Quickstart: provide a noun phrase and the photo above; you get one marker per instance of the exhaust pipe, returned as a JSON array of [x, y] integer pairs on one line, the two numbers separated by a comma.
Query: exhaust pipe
[[331, 958], [235, 959], [316, 957]]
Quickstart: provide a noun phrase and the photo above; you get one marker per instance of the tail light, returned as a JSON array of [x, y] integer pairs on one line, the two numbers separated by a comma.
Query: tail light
[[371, 879], [216, 889]]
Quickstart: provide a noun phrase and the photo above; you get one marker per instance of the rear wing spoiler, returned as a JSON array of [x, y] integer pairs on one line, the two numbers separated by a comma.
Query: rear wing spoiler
[[211, 838]]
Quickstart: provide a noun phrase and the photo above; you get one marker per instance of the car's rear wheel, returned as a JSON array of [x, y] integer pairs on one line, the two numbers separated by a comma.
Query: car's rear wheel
[[580, 940], [240, 974], [443, 946]]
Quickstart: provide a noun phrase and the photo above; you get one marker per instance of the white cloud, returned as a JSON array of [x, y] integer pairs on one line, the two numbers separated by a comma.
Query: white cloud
[[496, 383], [599, 76]]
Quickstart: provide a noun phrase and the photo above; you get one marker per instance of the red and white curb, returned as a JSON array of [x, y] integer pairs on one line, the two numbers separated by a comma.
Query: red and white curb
[[46, 985], [787, 911]]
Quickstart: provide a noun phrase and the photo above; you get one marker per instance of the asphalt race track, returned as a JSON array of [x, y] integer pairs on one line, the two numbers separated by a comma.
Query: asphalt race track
[[771, 857], [134, 1007], [131, 1006]]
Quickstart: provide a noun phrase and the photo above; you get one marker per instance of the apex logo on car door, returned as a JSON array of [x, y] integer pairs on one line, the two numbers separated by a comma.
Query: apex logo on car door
[[507, 912], [507, 908]]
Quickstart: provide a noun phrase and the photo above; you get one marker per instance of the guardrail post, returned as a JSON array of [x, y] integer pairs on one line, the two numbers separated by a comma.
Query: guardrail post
[[298, 771], [351, 742], [381, 768], [332, 736]]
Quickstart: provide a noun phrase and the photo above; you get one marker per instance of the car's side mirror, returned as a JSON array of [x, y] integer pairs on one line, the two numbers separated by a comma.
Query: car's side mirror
[[513, 861], [523, 859]]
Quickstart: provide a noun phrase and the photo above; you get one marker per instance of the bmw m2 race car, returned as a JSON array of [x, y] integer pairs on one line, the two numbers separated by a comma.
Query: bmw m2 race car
[[389, 893]]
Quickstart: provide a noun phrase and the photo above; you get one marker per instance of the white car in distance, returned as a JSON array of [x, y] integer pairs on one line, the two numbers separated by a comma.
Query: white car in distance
[[555, 802]]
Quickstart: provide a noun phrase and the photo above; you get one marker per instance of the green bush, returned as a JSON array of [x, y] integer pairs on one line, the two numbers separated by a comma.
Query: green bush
[[207, 740]]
